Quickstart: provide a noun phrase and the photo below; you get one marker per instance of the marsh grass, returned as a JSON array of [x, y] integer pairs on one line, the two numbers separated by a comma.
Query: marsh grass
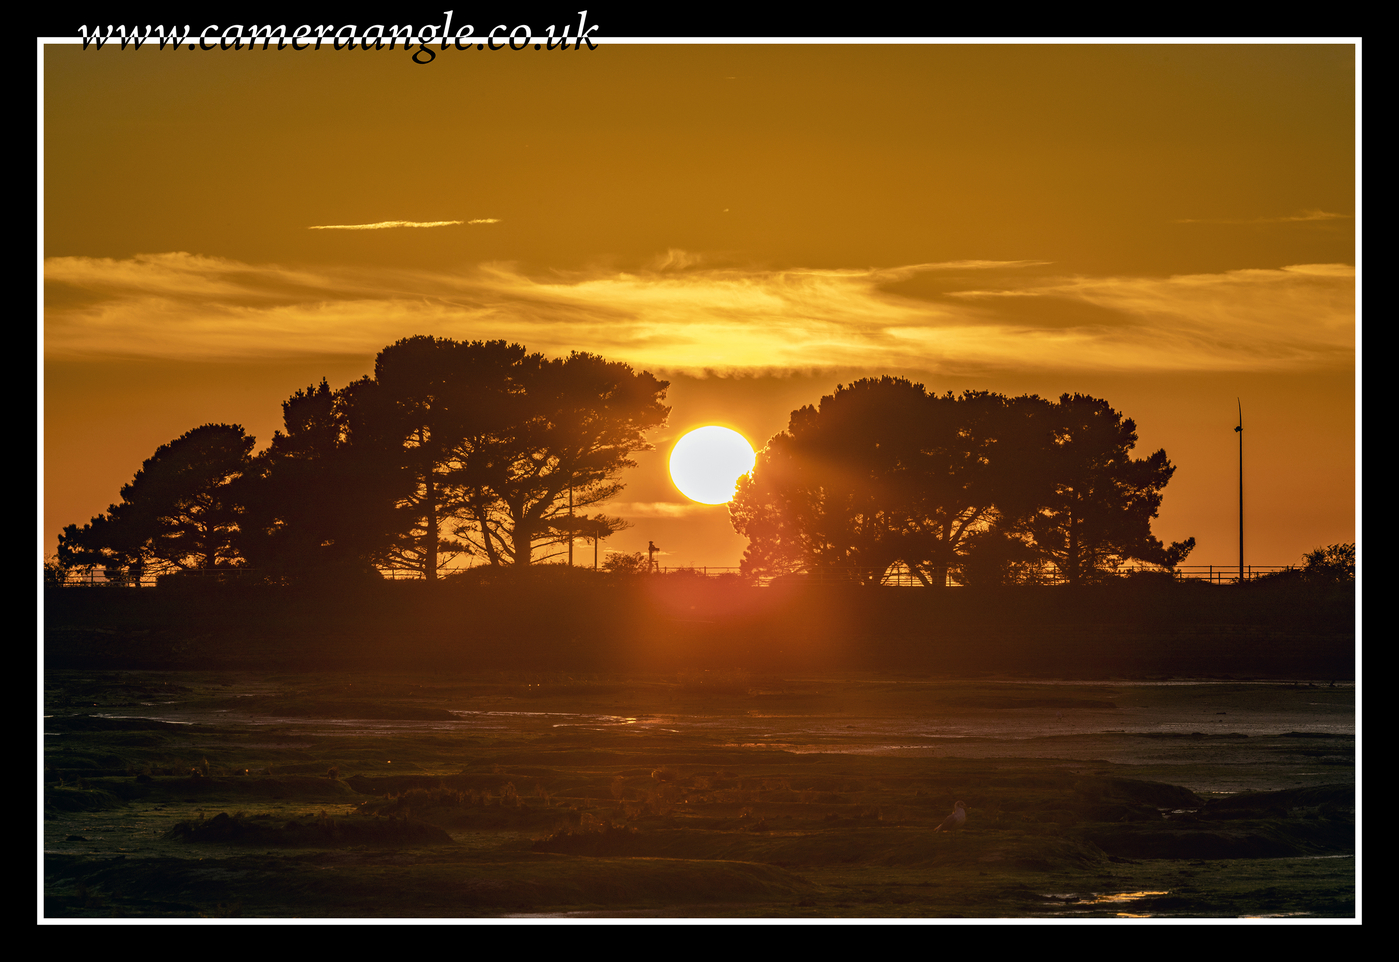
[[319, 830]]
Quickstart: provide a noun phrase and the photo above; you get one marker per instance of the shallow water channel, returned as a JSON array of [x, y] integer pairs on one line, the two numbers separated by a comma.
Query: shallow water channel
[[1212, 735]]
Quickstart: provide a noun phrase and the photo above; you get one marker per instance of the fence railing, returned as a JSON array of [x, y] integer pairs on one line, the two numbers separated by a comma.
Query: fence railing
[[902, 576], [896, 576]]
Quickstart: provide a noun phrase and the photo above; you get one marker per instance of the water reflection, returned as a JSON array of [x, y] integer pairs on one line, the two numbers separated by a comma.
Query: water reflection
[[1076, 904], [1148, 723]]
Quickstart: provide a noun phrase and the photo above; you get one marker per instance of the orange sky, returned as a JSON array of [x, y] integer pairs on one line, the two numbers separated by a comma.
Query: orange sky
[[1170, 227]]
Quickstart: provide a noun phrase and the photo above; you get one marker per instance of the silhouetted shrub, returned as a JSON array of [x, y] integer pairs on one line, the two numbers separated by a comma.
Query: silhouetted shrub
[[1334, 564]]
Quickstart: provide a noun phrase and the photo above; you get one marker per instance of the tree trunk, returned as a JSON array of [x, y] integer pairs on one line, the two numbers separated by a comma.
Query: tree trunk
[[430, 498], [430, 522], [523, 545], [1071, 553]]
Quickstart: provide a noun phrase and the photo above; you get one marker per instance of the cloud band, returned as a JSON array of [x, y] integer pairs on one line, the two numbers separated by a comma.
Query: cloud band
[[968, 316]]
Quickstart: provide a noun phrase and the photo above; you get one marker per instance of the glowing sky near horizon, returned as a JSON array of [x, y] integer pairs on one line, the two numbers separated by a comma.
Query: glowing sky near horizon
[[1169, 226]]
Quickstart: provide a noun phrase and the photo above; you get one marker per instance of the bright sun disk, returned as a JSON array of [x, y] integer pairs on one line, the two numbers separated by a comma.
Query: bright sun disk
[[706, 463]]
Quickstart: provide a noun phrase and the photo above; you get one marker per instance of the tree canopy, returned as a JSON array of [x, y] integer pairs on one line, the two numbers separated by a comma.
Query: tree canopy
[[880, 473], [981, 486], [437, 412], [1100, 501], [449, 448], [499, 445], [578, 420], [312, 502], [177, 512]]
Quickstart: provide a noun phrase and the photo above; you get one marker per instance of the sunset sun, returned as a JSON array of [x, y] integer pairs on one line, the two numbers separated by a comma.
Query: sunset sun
[[706, 463]]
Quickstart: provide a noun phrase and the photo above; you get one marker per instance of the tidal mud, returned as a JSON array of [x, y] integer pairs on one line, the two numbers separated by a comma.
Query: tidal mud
[[694, 794]]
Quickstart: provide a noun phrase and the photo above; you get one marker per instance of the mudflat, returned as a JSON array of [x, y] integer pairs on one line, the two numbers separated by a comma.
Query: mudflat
[[685, 793]]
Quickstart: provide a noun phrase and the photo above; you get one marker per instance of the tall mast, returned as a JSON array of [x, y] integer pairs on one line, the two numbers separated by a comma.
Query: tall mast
[[1240, 432]]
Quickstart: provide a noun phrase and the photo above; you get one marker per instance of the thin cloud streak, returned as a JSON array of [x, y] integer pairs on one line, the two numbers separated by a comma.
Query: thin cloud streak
[[654, 509], [384, 224], [1305, 216], [717, 319]]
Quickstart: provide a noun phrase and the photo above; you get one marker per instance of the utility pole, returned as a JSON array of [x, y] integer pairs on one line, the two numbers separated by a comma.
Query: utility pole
[[1240, 432]]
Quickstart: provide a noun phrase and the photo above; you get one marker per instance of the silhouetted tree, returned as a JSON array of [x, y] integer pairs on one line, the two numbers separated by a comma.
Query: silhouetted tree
[[504, 449], [177, 512], [1101, 501], [313, 502], [444, 414], [98, 544], [406, 414], [573, 424], [1000, 556], [495, 440], [882, 473]]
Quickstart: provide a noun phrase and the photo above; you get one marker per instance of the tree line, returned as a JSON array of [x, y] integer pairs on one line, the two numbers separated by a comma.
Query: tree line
[[485, 450], [450, 448], [987, 488]]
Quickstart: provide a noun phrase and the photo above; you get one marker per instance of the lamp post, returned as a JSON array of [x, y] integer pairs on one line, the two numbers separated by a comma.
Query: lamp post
[[1239, 430]]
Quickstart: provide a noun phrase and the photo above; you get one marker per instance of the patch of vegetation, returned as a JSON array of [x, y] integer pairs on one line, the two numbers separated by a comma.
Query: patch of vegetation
[[75, 798], [319, 831]]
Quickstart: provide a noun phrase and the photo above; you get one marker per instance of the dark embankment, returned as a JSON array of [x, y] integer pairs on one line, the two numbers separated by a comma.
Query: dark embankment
[[563, 620]]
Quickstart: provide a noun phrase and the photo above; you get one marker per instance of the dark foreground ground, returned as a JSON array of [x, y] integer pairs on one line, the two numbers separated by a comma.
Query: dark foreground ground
[[574, 621], [681, 750], [488, 795]]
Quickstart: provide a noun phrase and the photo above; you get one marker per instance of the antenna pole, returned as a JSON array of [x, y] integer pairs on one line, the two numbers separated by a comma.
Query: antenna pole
[[1240, 432]]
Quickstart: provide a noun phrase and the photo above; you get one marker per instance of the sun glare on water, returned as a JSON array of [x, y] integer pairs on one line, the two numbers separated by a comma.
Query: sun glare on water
[[706, 463]]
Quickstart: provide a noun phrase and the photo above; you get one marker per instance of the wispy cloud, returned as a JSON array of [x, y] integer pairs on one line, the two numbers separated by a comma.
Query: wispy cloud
[[682, 316], [1304, 216], [385, 224], [655, 509]]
